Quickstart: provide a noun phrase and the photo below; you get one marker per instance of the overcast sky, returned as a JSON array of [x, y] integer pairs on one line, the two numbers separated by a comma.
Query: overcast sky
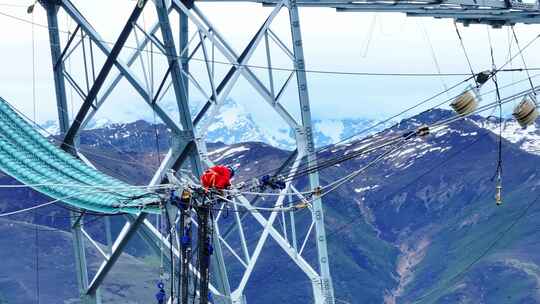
[[349, 42]]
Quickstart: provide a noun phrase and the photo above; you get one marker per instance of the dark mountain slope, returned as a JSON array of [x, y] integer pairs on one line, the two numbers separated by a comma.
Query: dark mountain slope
[[408, 228], [132, 281]]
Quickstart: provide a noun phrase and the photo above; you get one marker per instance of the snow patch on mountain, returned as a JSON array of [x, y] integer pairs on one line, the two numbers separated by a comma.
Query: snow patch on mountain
[[528, 139], [333, 129], [367, 188], [49, 127], [228, 152], [281, 137], [233, 124]]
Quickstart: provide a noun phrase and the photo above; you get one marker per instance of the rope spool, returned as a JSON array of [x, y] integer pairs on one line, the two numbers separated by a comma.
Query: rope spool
[[465, 103], [525, 112]]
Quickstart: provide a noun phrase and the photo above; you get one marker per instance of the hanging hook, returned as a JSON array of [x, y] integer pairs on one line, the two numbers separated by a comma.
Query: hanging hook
[[498, 190]]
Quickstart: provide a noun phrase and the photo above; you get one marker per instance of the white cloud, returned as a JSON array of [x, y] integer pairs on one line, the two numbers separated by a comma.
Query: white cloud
[[333, 41]]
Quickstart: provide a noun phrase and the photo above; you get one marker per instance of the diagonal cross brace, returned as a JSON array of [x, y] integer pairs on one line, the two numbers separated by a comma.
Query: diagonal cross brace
[[74, 13], [230, 78], [211, 32], [102, 76], [127, 232], [131, 59], [176, 79], [242, 59]]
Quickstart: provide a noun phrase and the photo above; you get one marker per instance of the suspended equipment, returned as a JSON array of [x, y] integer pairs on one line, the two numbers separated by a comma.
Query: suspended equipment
[[483, 77], [498, 194], [498, 188], [160, 295], [33, 160], [466, 103], [31, 8], [526, 112]]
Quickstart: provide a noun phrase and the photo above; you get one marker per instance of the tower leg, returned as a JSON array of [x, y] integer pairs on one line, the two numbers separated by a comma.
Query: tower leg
[[80, 261], [324, 294], [179, 82], [63, 119], [57, 64]]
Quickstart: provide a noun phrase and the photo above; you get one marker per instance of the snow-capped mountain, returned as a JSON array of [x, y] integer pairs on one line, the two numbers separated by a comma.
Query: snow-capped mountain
[[421, 219], [51, 127], [528, 139], [234, 124]]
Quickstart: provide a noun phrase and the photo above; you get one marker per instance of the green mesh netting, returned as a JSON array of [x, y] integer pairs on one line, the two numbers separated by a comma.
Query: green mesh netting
[[30, 158]]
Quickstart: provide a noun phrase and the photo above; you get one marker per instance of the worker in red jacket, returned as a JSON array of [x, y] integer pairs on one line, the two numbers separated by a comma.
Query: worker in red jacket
[[217, 177]]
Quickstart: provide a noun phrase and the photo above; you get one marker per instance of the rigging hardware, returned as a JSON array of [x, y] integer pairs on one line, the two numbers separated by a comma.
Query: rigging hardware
[[498, 190], [160, 295], [526, 111], [467, 102]]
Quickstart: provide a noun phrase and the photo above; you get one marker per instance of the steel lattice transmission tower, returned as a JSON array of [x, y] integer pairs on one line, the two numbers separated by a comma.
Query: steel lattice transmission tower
[[188, 135]]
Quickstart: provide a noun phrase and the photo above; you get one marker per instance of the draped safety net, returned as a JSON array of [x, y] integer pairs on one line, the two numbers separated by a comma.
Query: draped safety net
[[33, 160]]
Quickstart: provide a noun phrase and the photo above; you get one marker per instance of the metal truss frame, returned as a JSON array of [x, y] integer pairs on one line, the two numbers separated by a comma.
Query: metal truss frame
[[189, 142], [492, 12], [188, 135]]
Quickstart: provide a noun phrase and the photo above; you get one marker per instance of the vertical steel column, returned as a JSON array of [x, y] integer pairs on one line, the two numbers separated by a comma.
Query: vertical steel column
[[203, 216], [176, 73], [180, 88], [111, 60], [108, 233], [184, 41], [326, 288], [177, 80], [80, 262], [63, 119], [57, 64]]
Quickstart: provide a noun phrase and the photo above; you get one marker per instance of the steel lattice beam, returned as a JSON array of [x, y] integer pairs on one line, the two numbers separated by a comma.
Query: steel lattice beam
[[188, 136], [492, 12], [309, 146], [100, 80]]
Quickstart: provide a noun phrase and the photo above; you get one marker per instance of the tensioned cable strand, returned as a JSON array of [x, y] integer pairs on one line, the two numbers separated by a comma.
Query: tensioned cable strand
[[52, 202], [313, 71]]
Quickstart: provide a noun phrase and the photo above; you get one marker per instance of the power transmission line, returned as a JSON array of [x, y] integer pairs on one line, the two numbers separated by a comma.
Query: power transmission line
[[311, 71]]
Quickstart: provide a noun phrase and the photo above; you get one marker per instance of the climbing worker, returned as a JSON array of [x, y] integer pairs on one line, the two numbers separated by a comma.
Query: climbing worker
[[217, 177]]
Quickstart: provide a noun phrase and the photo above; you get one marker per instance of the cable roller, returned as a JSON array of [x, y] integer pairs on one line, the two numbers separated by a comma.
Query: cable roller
[[466, 103], [525, 112]]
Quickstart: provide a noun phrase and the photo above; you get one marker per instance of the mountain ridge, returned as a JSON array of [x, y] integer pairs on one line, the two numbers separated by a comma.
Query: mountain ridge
[[234, 124], [404, 229]]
